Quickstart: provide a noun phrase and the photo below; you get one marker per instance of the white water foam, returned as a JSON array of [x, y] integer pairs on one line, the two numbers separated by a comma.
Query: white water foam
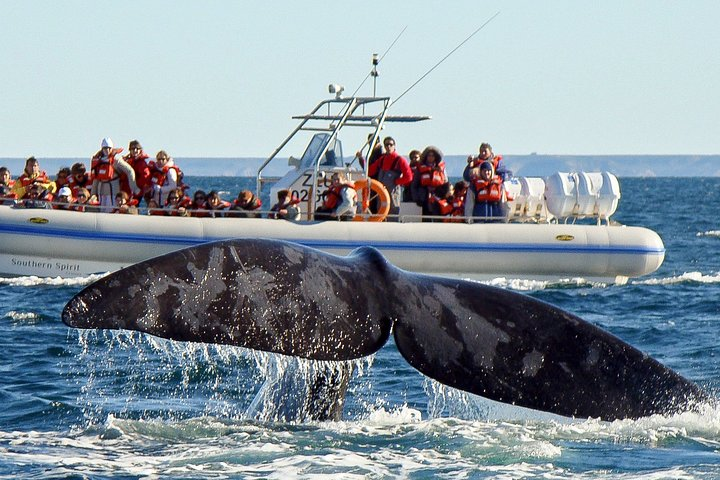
[[386, 444], [687, 277], [709, 233], [33, 281]]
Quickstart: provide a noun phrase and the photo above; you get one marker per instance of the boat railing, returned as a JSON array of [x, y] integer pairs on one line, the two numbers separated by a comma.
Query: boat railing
[[304, 217]]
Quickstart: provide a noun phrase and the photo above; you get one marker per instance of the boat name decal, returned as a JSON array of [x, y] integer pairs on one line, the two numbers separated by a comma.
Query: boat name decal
[[56, 266], [38, 220], [564, 238]]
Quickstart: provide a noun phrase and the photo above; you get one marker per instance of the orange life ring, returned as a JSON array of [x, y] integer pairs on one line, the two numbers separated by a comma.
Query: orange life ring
[[367, 190]]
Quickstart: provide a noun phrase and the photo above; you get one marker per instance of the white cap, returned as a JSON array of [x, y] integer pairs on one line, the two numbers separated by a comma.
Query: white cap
[[64, 192], [107, 142]]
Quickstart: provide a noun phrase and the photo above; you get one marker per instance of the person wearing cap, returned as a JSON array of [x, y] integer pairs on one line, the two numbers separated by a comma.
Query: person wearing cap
[[486, 198], [106, 173], [63, 199], [485, 155], [137, 159]]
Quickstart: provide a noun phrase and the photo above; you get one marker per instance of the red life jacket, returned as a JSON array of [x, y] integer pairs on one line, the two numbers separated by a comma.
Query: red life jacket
[[75, 186], [25, 180], [142, 171], [432, 176], [444, 207], [105, 171], [490, 191], [158, 176]]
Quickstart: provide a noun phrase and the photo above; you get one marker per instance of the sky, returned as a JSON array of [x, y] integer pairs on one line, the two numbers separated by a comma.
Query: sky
[[222, 78]]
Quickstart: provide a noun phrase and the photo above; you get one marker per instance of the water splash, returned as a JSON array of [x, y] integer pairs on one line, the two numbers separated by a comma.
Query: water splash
[[688, 277], [33, 281]]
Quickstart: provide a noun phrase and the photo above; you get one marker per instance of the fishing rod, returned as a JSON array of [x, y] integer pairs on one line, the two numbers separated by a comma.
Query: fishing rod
[[444, 58]]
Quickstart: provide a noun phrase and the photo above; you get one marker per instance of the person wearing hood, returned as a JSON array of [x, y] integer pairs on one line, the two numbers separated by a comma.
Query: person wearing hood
[[430, 175], [106, 173], [486, 198]]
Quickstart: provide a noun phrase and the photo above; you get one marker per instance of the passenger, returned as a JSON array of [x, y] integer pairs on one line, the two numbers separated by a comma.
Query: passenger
[[485, 155], [486, 198], [458, 202], [79, 178], [199, 206], [246, 205], [440, 203], [153, 208], [217, 205], [37, 196], [106, 172], [63, 200], [430, 175], [32, 175], [414, 161], [177, 203], [375, 153], [62, 177], [7, 195], [137, 159], [165, 177], [84, 201], [286, 208], [340, 200], [393, 171], [125, 204]]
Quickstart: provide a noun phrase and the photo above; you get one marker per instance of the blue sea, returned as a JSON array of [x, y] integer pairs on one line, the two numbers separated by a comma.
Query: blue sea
[[95, 405]]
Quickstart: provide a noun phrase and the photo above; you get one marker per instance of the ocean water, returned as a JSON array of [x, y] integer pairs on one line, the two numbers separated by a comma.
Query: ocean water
[[125, 405]]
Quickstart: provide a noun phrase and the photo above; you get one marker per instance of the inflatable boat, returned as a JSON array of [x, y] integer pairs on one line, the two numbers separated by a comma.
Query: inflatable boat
[[557, 227]]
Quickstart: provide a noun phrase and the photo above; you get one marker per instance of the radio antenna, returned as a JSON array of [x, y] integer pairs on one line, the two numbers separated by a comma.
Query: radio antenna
[[373, 72], [445, 58]]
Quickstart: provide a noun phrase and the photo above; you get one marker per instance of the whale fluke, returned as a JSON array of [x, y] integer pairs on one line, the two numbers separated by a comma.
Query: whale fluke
[[282, 297]]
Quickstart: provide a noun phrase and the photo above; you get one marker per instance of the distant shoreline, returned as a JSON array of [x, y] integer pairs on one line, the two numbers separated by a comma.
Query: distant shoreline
[[535, 165]]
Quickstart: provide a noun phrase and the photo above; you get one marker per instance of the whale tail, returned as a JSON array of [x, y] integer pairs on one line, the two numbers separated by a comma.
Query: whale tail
[[285, 298]]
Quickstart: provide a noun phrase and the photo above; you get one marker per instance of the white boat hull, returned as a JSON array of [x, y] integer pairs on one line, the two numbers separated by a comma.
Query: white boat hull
[[68, 244]]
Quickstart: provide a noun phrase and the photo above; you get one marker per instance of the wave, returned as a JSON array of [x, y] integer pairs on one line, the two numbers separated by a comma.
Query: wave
[[688, 277], [709, 233], [389, 443], [33, 281], [526, 285]]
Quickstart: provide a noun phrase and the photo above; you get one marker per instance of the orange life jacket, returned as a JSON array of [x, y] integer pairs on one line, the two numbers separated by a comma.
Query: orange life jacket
[[490, 191], [432, 176]]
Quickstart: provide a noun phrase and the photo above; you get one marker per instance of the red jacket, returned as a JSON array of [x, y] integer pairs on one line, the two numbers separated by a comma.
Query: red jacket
[[392, 161]]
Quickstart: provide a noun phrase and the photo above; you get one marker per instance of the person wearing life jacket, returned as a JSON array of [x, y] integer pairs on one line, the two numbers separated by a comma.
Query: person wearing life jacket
[[62, 178], [199, 206], [430, 175], [286, 207], [216, 204], [84, 201], [246, 205], [486, 198], [340, 200], [440, 201], [32, 175], [393, 171], [79, 178], [177, 203], [125, 204], [63, 200], [165, 177], [458, 202], [106, 172], [485, 155], [137, 159], [7, 196]]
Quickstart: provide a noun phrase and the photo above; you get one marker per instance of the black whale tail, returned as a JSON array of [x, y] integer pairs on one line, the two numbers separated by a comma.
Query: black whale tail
[[285, 298]]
